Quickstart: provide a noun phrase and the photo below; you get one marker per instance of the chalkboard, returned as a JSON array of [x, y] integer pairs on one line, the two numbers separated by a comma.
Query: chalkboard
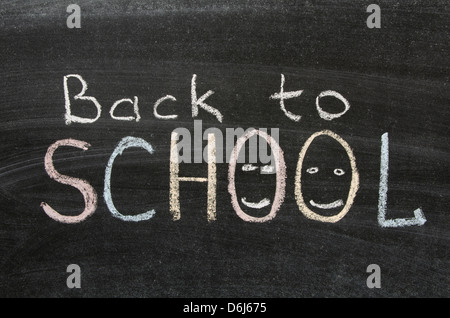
[[100, 98]]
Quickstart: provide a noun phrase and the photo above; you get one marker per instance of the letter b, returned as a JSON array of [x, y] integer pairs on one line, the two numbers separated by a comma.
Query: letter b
[[80, 96]]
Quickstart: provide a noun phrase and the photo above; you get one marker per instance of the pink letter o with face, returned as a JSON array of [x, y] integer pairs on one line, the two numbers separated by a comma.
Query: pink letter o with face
[[280, 167]]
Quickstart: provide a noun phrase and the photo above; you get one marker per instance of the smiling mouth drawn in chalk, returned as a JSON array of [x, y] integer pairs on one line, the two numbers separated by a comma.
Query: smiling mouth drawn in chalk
[[256, 205], [327, 206]]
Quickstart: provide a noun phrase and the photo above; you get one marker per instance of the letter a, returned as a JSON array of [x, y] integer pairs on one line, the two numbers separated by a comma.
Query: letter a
[[74, 279], [74, 19], [374, 279], [374, 20]]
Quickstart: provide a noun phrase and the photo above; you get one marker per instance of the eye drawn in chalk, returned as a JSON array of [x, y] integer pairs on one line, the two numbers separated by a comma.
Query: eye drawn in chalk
[[312, 170], [249, 167], [268, 169]]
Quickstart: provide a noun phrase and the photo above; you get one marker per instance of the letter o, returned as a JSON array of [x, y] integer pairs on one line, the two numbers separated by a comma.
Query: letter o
[[354, 185], [280, 166], [326, 115]]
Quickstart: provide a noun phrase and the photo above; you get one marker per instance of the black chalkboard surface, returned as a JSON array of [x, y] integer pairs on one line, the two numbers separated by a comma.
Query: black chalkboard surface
[[306, 72]]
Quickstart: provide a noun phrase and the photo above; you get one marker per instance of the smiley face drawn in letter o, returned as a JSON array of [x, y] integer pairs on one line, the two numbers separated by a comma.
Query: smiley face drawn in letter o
[[354, 184], [280, 168]]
